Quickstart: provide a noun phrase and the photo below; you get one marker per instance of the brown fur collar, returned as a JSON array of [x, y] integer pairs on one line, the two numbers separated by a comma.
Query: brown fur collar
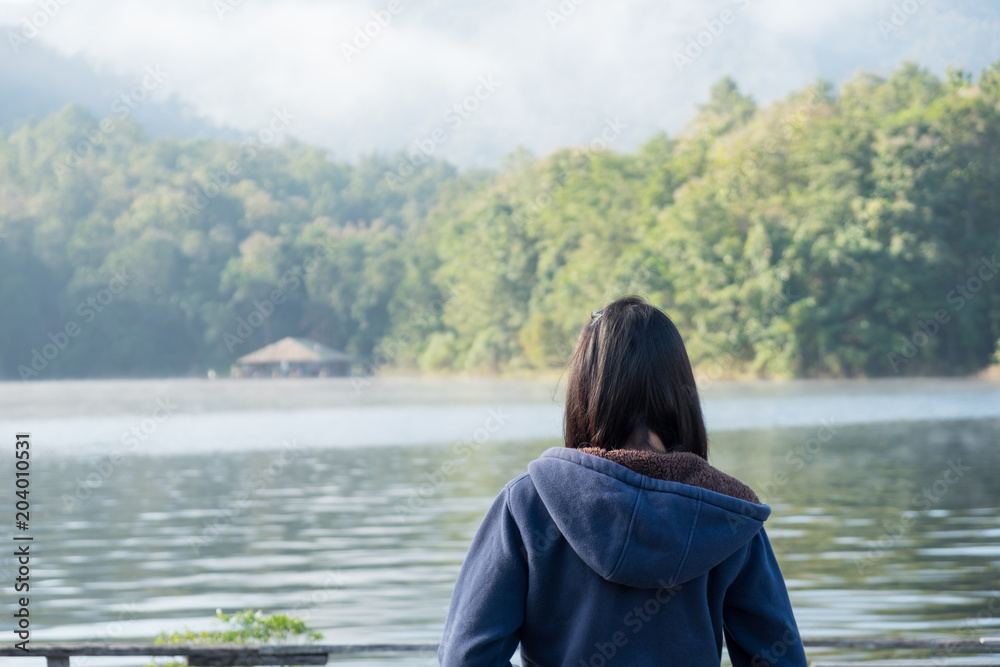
[[683, 467]]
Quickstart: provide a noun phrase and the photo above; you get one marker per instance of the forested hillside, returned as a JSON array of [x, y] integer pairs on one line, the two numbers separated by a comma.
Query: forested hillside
[[844, 232]]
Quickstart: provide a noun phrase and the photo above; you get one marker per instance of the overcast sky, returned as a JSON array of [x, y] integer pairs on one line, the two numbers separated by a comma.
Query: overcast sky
[[554, 81]]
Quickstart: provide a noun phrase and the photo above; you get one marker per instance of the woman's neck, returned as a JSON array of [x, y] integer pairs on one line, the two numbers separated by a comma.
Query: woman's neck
[[652, 443]]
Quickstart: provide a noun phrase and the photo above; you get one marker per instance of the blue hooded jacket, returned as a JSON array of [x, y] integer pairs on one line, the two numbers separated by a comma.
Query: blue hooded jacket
[[588, 563]]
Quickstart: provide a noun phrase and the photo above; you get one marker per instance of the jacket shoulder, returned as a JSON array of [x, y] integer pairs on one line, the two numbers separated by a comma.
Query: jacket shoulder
[[520, 488], [523, 501]]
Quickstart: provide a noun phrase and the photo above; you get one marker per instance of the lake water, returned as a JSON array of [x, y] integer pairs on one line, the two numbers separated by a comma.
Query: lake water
[[327, 498]]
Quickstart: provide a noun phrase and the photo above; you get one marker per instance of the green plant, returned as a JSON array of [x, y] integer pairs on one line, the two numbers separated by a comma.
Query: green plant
[[245, 627]]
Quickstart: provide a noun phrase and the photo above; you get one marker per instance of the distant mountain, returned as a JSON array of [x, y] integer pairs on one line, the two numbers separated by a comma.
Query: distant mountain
[[39, 81]]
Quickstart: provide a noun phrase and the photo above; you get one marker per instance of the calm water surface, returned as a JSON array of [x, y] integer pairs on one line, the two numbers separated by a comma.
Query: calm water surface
[[888, 528]]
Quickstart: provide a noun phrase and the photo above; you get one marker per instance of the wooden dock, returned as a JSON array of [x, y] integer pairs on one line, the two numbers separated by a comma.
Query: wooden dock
[[204, 655]]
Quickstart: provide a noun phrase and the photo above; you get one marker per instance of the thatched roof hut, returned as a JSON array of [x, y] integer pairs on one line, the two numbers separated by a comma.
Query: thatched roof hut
[[295, 357]]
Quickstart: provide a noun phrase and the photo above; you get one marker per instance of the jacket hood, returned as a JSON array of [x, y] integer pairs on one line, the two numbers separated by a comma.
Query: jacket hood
[[678, 519]]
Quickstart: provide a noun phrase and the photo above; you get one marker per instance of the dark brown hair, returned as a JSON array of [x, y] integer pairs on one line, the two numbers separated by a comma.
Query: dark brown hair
[[630, 375]]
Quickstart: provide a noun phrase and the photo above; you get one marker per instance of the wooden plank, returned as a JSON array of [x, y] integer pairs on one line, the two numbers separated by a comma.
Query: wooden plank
[[317, 654], [63, 649], [383, 648], [196, 659]]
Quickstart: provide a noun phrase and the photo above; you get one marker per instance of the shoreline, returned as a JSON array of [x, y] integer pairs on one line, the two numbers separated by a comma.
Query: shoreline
[[194, 415], [114, 396]]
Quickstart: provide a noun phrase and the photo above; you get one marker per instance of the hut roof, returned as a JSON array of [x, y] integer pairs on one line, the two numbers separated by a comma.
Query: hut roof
[[293, 350]]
